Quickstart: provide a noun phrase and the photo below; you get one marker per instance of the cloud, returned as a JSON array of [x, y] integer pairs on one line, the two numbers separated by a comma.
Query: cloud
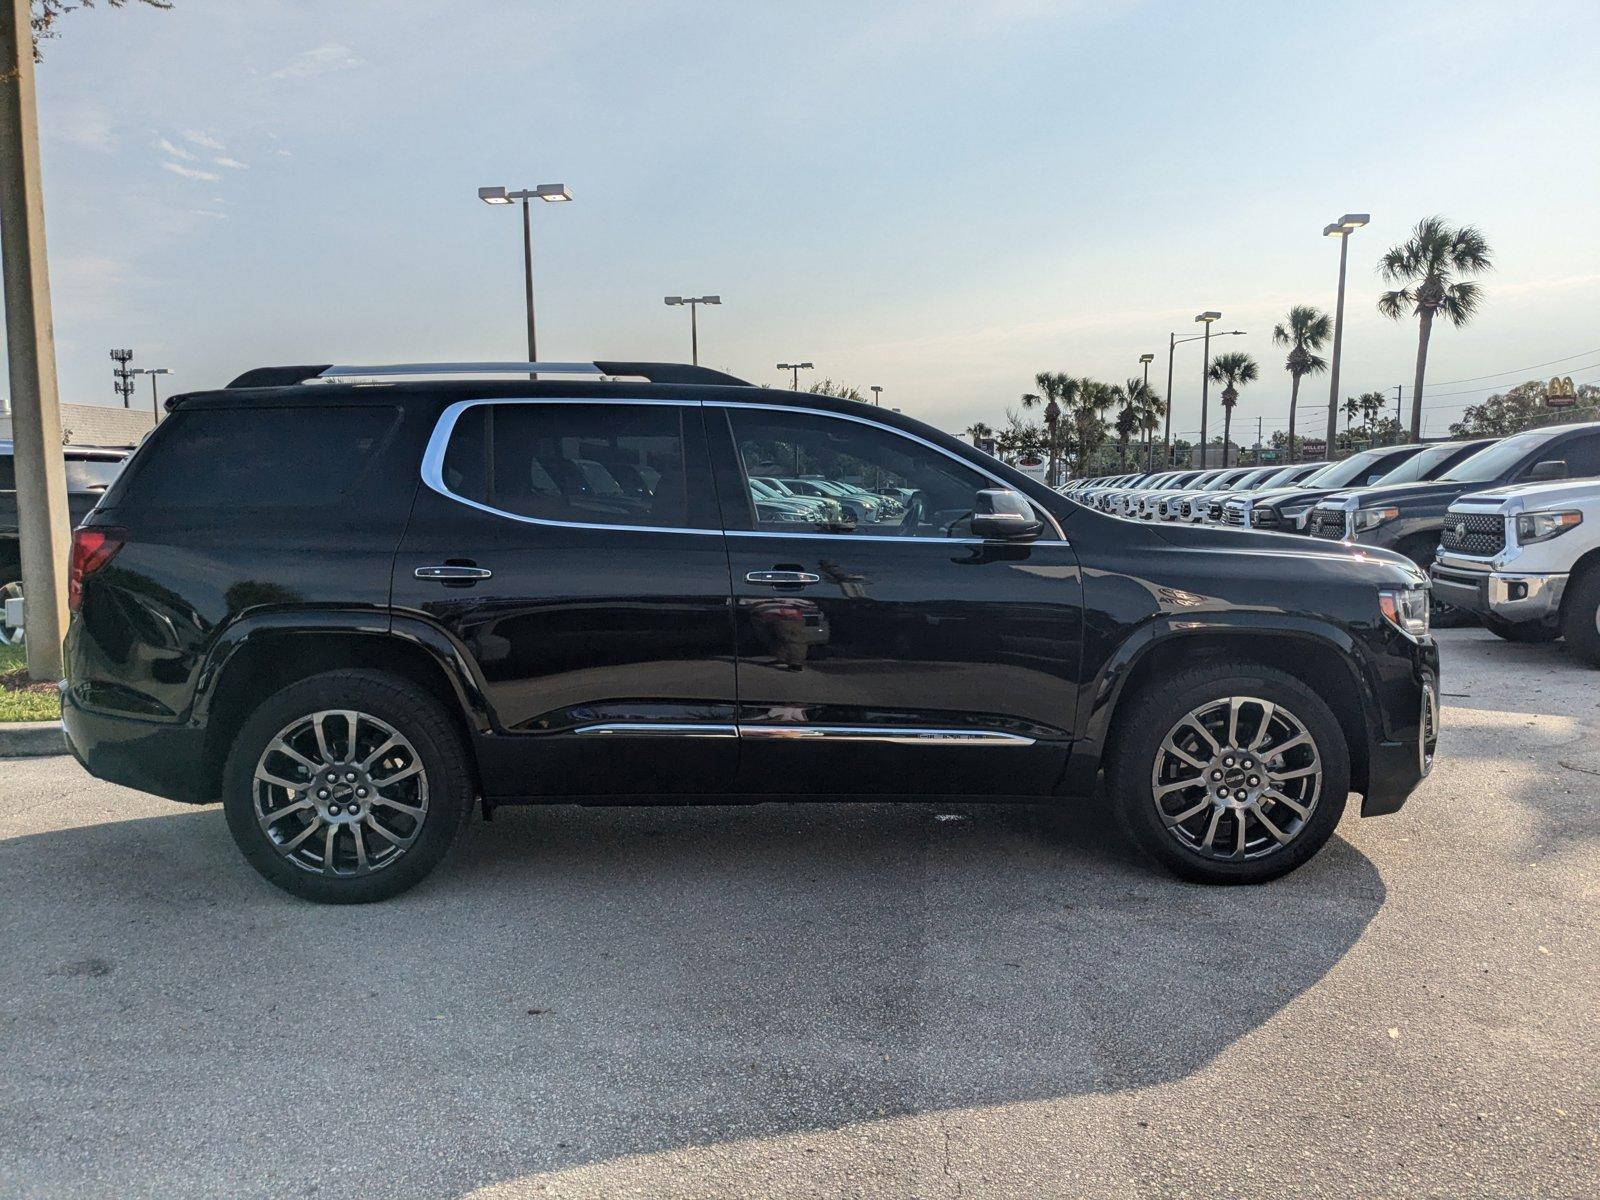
[[166, 147], [209, 212], [204, 140], [332, 56], [191, 172], [85, 126], [233, 164]]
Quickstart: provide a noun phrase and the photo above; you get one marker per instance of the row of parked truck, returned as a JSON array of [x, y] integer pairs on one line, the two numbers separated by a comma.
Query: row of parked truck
[[1508, 528]]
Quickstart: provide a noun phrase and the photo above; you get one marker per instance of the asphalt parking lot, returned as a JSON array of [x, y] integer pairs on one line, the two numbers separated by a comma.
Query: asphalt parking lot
[[929, 1001]]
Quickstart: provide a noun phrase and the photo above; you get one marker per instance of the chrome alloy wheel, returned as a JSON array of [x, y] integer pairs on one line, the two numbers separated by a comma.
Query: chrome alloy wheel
[[1237, 778], [340, 793]]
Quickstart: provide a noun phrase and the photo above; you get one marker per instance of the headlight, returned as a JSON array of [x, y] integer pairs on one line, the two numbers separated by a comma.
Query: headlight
[[1295, 513], [1371, 518], [1406, 609], [1542, 526]]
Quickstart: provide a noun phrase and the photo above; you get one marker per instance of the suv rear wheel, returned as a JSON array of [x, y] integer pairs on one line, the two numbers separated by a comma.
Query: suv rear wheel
[[1230, 776], [346, 787]]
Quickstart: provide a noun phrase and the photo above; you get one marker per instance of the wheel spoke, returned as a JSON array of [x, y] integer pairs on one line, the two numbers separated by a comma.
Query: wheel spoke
[[1239, 824], [1300, 739], [319, 725], [1193, 723], [402, 773], [1233, 719], [361, 847], [1277, 833], [1268, 711], [1179, 818], [294, 842], [1167, 789], [282, 747], [265, 776], [1172, 748], [1211, 830], [327, 849], [393, 839], [377, 755], [1298, 773], [409, 810], [1294, 806], [350, 747], [278, 814]]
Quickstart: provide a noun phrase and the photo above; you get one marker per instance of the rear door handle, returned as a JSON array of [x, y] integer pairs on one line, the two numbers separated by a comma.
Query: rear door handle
[[450, 573], [782, 578]]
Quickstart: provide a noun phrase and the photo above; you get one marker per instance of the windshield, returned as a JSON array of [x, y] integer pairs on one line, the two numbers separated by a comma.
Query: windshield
[[1422, 466], [1494, 461], [1282, 476], [1226, 479], [1357, 466]]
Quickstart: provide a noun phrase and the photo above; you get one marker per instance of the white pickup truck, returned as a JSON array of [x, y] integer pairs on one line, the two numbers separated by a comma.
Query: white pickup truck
[[1527, 560]]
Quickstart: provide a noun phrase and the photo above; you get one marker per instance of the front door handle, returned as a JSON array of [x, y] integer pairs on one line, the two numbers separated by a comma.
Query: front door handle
[[451, 573], [782, 578]]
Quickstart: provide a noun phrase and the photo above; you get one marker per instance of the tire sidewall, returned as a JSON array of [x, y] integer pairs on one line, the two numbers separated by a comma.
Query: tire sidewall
[[1578, 622], [414, 714], [1159, 709]]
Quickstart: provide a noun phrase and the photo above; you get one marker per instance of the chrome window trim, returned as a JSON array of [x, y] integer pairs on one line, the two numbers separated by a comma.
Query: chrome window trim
[[659, 729], [439, 441]]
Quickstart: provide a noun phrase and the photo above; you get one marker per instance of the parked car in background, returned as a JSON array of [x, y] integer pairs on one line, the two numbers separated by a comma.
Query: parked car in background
[[1285, 509], [1262, 480], [1410, 516], [90, 470], [1189, 505], [1527, 560], [439, 615]]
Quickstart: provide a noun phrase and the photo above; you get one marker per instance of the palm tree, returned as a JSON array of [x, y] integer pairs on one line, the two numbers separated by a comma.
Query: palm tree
[[1305, 332], [1144, 411], [1126, 422], [1231, 370], [1093, 400], [1352, 409], [1060, 389], [979, 432], [1427, 265]]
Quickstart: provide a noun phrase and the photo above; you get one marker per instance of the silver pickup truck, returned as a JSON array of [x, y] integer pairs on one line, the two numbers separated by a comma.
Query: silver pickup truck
[[1527, 560]]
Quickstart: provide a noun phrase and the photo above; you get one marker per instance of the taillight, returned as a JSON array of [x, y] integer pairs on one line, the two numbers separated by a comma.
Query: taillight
[[92, 549]]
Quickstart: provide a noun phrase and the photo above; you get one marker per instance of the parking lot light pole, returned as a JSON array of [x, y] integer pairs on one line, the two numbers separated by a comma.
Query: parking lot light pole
[[1173, 342], [1149, 438], [877, 396], [155, 400], [1206, 318], [693, 303], [550, 193], [796, 368], [1341, 229]]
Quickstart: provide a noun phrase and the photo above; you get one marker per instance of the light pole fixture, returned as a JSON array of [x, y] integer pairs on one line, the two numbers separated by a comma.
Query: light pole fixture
[[1149, 440], [796, 368], [1173, 342], [550, 193], [877, 395], [155, 407], [693, 303], [1341, 229]]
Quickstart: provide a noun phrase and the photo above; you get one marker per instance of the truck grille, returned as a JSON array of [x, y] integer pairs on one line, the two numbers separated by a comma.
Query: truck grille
[[1479, 534], [1214, 511], [1326, 523], [1233, 514]]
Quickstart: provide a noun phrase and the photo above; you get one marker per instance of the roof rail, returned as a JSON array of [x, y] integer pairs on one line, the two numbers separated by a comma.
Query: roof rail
[[654, 372]]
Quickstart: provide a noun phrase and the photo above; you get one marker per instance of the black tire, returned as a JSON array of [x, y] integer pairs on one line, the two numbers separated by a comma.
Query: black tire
[[414, 714], [1580, 616], [1158, 707], [1521, 631]]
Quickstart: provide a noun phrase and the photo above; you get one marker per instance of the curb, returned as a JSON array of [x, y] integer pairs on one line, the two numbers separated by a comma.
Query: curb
[[31, 739]]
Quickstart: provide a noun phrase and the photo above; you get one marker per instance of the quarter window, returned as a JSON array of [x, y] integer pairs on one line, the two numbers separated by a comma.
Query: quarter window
[[594, 464], [806, 473]]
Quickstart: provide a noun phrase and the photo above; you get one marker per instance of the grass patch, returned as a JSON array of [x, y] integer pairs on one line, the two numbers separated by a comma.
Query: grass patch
[[20, 699]]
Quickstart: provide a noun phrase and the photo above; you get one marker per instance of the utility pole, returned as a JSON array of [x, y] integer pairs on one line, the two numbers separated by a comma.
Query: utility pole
[[122, 385], [30, 343], [1399, 391], [1258, 441]]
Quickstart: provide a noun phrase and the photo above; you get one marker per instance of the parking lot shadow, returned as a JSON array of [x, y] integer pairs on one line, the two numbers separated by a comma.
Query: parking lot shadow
[[577, 985]]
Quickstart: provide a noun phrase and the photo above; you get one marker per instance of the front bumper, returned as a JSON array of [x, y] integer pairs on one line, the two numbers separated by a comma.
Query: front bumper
[[1516, 596], [1400, 761]]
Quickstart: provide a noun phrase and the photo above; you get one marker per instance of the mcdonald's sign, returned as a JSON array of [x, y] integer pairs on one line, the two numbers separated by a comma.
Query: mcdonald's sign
[[1559, 392]]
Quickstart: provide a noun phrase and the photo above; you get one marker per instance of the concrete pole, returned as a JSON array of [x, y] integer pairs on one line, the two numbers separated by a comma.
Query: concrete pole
[[1338, 345], [42, 514]]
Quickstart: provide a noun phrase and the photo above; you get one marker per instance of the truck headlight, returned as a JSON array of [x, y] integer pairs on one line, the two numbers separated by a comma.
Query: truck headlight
[[1406, 609], [1371, 518], [1542, 526]]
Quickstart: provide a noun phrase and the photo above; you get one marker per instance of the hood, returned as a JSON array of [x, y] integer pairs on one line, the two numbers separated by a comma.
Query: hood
[[1387, 566], [1278, 497], [1540, 495], [1399, 494]]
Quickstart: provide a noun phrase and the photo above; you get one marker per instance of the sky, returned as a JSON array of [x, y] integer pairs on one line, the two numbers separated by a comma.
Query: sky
[[942, 198]]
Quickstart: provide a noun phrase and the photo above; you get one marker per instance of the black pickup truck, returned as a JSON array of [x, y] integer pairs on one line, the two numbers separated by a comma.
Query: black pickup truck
[[90, 470], [1410, 517]]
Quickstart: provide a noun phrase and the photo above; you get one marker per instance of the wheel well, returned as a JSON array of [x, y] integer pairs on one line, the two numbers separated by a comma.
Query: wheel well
[[270, 661], [1318, 665], [1428, 538]]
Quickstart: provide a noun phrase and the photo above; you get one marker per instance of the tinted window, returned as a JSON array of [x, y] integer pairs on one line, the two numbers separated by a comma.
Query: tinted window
[[1581, 454], [810, 456], [1360, 469], [260, 457], [1492, 462], [92, 474], [595, 464]]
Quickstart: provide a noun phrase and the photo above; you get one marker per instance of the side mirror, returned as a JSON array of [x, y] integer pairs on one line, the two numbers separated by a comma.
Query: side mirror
[[1550, 468], [999, 514]]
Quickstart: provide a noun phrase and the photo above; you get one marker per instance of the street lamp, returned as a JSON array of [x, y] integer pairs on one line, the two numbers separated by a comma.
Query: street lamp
[[877, 395], [1205, 379], [1173, 342], [694, 303], [550, 193], [155, 408], [1341, 229], [796, 368], [1149, 442]]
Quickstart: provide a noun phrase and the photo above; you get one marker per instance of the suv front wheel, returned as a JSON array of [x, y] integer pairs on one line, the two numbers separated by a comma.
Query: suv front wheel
[[1230, 776], [346, 787]]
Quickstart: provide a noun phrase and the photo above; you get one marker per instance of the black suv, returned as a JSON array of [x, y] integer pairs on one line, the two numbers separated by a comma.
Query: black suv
[[352, 610]]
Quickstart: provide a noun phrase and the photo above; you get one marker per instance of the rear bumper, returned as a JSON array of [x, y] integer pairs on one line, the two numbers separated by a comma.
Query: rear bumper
[[158, 757], [1515, 596]]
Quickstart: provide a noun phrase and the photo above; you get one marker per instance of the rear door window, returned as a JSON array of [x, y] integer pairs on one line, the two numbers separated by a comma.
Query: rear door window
[[639, 465]]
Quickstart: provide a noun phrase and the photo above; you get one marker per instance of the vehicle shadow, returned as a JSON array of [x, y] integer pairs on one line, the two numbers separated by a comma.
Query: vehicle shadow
[[577, 985]]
